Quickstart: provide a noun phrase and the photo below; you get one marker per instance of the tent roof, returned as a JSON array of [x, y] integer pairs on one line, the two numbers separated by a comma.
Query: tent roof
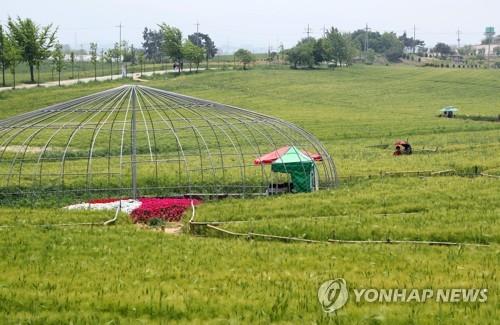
[[449, 108], [293, 155], [287, 154]]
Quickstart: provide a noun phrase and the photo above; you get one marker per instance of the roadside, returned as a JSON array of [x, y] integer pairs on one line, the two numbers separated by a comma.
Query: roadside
[[69, 82]]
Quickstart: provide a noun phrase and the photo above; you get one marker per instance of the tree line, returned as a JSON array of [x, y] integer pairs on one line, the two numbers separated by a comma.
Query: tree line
[[22, 40], [25, 41], [167, 43], [342, 49]]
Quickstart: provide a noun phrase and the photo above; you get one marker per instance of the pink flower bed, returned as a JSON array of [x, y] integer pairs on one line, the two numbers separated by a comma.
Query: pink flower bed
[[168, 209]]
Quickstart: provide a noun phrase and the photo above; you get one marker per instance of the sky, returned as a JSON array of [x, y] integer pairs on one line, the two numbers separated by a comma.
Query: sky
[[256, 24]]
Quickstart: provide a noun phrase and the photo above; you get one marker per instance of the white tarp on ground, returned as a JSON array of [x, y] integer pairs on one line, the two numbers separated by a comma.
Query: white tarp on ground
[[126, 206]]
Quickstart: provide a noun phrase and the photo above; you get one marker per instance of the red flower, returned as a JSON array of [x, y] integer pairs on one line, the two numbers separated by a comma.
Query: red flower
[[168, 209]]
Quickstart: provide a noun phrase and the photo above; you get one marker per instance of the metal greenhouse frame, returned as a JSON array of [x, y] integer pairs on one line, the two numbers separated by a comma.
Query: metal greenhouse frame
[[139, 141]]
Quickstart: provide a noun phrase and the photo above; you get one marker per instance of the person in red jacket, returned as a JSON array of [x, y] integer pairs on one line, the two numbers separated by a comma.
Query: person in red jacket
[[398, 151]]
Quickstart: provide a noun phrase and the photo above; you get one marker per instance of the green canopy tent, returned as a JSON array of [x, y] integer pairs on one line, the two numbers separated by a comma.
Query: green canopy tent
[[299, 164]]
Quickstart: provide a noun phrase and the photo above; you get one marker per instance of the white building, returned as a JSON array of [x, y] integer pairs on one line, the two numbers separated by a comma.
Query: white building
[[489, 50]]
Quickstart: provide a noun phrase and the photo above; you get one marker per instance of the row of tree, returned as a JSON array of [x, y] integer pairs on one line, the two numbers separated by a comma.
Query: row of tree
[[340, 49], [25, 41], [167, 42], [335, 47]]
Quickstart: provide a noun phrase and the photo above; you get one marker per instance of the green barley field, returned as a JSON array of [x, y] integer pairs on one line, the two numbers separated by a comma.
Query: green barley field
[[123, 274]]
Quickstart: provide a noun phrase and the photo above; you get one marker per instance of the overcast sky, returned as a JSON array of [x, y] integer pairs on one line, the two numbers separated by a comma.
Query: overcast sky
[[256, 24]]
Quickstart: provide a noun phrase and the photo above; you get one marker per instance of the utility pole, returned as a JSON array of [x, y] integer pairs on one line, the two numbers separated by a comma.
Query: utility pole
[[324, 31], [120, 45], [414, 38], [308, 31], [81, 61], [458, 40], [489, 33], [269, 53], [102, 62], [282, 53], [197, 27]]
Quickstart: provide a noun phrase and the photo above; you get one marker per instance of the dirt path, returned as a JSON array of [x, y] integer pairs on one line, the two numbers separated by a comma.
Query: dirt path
[[135, 76]]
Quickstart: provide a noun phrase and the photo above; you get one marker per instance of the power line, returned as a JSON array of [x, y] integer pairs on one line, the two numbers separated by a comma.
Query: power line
[[308, 31]]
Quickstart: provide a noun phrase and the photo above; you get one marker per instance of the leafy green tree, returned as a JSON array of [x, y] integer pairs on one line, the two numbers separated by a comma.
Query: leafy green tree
[[58, 60], [442, 49], [393, 47], [320, 51], [141, 59], [102, 60], [116, 54], [93, 58], [192, 53], [272, 56], [152, 45], [245, 57], [302, 54], [172, 43], [131, 55], [411, 44], [282, 52], [204, 41], [108, 57], [339, 47], [35, 42], [387, 44], [12, 57], [350, 51], [359, 36], [3, 59], [72, 61], [370, 57]]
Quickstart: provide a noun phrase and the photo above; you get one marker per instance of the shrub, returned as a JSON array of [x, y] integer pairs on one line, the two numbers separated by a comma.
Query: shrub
[[156, 222]]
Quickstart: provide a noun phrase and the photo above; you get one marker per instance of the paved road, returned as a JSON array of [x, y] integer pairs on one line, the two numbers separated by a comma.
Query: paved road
[[75, 81]]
